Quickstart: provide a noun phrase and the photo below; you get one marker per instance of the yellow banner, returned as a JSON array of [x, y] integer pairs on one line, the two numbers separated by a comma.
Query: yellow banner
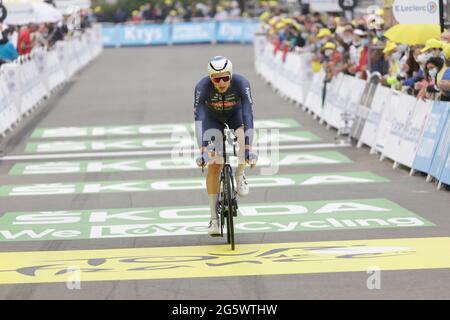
[[220, 261]]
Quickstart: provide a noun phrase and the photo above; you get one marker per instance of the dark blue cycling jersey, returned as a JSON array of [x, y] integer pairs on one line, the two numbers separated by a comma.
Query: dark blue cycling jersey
[[212, 109]]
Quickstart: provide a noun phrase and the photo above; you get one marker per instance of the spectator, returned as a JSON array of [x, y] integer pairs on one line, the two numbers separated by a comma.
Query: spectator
[[416, 63], [393, 55], [7, 50], [99, 14], [57, 32], [221, 14], [427, 87], [444, 83], [24, 43], [40, 37], [378, 62], [235, 11], [433, 48], [120, 16], [357, 46], [136, 17], [147, 12]]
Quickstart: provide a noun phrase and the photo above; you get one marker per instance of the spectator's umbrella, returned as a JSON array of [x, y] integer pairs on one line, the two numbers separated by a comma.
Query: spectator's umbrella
[[412, 34], [62, 5], [19, 12], [22, 12], [45, 12]]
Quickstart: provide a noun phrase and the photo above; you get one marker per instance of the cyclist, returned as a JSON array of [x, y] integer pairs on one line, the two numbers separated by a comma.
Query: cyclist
[[223, 97]]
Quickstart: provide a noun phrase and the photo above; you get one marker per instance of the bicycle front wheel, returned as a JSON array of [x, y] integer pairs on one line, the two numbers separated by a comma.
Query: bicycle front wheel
[[229, 203]]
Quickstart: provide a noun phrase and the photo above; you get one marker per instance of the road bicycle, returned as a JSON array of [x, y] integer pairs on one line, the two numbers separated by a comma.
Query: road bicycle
[[227, 205]]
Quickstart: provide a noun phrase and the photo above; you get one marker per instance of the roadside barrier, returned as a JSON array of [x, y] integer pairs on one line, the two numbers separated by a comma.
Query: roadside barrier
[[26, 82], [144, 34], [410, 132]]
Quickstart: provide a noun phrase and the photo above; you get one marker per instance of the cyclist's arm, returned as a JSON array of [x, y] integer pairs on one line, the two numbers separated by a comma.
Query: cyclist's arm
[[199, 114], [247, 112]]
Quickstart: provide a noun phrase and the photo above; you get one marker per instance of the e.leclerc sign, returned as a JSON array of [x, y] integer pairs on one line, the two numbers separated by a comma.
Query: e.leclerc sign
[[416, 11]]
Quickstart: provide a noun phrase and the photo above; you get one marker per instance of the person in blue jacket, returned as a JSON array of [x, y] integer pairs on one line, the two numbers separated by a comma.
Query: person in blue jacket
[[7, 50]]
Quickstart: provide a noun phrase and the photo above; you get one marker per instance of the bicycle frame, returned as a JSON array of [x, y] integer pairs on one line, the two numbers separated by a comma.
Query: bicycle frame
[[227, 195]]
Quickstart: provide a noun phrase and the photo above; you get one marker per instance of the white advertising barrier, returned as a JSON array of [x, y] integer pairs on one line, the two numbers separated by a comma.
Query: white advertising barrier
[[63, 57], [259, 46], [413, 133], [313, 100], [346, 102], [56, 74], [342, 98], [73, 63], [32, 86], [40, 57], [288, 82], [268, 63], [8, 111], [331, 98], [97, 38], [11, 76], [26, 81], [277, 66], [381, 99], [385, 122], [305, 76], [402, 113]]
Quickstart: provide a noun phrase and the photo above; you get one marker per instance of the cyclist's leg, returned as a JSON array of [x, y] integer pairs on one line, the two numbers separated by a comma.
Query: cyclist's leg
[[237, 124], [213, 128]]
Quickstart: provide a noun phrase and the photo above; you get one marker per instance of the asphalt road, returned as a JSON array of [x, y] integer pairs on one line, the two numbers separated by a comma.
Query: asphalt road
[[275, 258]]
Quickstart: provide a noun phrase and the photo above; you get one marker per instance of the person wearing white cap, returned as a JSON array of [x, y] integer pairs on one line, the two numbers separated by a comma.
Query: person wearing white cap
[[357, 46]]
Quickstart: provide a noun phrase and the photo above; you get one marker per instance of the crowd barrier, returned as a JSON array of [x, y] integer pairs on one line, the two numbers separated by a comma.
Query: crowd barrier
[[412, 133], [229, 31], [27, 81]]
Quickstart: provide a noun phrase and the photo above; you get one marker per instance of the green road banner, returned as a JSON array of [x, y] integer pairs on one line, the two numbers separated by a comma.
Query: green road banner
[[126, 165], [175, 141], [133, 130], [193, 220], [99, 187]]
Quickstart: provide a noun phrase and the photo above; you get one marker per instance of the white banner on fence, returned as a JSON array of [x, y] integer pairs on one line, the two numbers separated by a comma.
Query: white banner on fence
[[331, 98], [402, 113], [413, 133], [381, 99], [386, 122], [27, 80]]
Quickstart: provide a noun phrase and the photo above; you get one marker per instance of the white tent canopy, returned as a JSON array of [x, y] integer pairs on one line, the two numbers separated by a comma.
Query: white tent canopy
[[19, 12], [62, 5], [22, 12]]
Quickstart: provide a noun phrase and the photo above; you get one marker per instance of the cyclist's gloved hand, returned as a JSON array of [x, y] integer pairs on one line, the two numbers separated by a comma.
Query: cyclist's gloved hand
[[202, 161], [251, 157]]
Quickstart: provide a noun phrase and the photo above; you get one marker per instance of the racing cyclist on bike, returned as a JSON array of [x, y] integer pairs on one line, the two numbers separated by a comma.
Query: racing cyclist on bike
[[223, 97]]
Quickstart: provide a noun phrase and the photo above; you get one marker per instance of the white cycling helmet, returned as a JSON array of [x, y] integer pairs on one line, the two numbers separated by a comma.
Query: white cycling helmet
[[220, 64]]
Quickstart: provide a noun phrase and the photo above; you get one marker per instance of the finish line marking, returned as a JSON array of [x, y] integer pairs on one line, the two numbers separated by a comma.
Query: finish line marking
[[219, 261]]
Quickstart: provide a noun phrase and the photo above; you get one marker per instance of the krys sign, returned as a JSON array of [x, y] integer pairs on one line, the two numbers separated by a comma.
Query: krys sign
[[416, 11]]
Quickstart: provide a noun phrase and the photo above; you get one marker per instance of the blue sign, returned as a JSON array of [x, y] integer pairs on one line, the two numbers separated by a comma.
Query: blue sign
[[440, 157], [145, 34], [445, 175], [239, 31], [436, 123], [109, 35], [195, 32], [230, 31], [250, 27]]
